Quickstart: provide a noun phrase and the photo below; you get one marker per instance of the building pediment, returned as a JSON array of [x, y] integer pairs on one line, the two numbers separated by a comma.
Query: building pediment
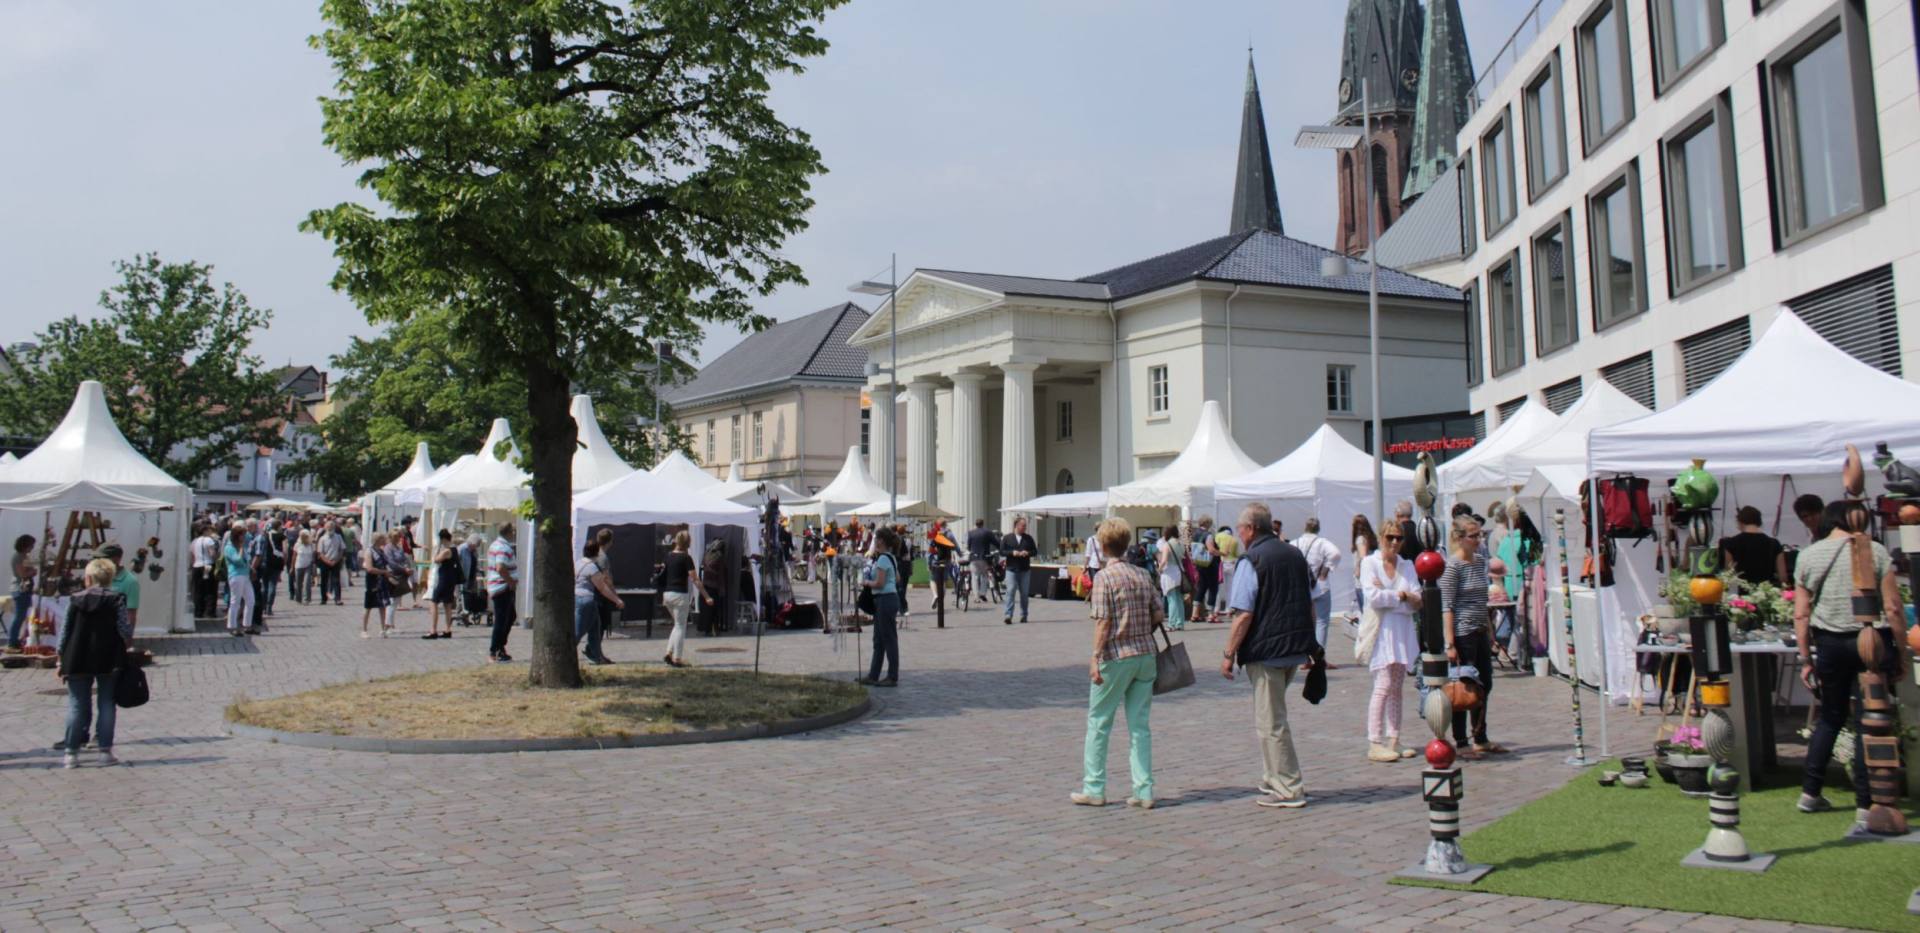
[[926, 299]]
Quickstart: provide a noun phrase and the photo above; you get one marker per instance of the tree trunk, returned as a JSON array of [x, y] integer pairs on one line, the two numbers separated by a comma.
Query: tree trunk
[[553, 435]]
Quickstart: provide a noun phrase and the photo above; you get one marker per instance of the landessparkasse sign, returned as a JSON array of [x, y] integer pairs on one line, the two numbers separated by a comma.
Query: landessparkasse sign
[[1433, 446]]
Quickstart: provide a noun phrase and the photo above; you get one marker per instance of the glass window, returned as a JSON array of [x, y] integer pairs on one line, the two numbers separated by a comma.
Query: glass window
[[1475, 367], [866, 431], [1063, 420], [759, 435], [1546, 130], [1340, 389], [1469, 232], [1553, 320], [710, 442], [1703, 217], [1823, 129], [1618, 272], [1496, 162], [733, 437], [1156, 390], [1503, 302], [1606, 74], [1684, 31], [233, 474]]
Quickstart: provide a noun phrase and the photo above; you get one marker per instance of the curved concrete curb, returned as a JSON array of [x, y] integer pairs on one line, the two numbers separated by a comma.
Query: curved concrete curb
[[361, 743]]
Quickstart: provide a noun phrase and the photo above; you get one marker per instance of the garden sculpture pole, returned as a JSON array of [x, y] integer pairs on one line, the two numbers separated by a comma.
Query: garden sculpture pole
[[1579, 757], [1879, 743]]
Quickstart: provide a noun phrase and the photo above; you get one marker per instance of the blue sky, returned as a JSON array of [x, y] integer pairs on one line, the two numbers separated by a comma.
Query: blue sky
[[1039, 137]]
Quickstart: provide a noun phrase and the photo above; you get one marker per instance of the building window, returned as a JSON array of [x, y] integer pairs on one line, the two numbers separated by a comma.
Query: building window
[[1707, 354], [1546, 124], [1509, 407], [1619, 270], [1340, 389], [233, 473], [1562, 396], [710, 442], [759, 435], [1063, 420], [1476, 367], [1703, 212], [1606, 74], [1469, 231], [866, 431], [1554, 324], [1858, 315], [1503, 306], [733, 437], [1156, 390], [1633, 377], [1684, 33], [1479, 426], [1496, 175], [1822, 128]]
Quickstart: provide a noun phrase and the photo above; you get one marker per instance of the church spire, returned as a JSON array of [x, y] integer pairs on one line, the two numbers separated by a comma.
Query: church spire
[[1444, 98], [1256, 205]]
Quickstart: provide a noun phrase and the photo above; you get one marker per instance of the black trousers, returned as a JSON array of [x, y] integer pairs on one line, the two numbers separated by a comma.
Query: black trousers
[[886, 637], [1836, 661], [504, 616], [1475, 649], [329, 581], [206, 593]]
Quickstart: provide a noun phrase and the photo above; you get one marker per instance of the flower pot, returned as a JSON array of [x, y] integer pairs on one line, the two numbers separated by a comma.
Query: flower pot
[[1690, 773], [1665, 770]]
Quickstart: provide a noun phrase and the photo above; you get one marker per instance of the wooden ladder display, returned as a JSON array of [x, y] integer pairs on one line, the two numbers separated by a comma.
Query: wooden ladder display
[[84, 534]]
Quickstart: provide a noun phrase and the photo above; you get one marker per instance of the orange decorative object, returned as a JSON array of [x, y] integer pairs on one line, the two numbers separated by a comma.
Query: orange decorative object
[[1716, 693], [1910, 514], [1462, 695], [1706, 591], [1913, 639], [1853, 474]]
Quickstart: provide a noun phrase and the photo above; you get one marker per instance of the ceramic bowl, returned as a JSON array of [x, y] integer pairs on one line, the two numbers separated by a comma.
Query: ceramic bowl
[[1634, 779], [1633, 765], [1608, 777]]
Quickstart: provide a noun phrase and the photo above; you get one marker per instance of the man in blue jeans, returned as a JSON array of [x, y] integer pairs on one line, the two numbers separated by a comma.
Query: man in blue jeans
[[1018, 546]]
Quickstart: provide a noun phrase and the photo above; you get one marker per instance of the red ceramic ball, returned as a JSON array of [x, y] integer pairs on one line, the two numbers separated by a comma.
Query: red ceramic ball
[[1910, 514], [1439, 754], [1429, 566]]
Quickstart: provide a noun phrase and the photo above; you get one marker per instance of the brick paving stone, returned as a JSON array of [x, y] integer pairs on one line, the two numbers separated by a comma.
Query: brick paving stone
[[947, 808]]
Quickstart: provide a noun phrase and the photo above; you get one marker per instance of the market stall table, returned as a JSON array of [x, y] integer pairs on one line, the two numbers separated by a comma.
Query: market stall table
[[649, 596], [1752, 709]]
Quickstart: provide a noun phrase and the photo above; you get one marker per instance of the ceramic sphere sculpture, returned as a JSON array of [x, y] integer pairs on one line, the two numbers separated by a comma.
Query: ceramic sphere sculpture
[[1429, 566], [1439, 754]]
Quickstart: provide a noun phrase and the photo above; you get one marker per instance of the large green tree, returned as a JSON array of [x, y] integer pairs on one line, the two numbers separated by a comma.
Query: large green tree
[[174, 354], [411, 384], [569, 179]]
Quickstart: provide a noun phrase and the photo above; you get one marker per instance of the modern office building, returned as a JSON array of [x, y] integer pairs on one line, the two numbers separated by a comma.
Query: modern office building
[[1645, 183]]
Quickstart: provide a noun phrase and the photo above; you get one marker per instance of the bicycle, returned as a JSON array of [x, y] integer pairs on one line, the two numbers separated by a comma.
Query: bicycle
[[960, 581]]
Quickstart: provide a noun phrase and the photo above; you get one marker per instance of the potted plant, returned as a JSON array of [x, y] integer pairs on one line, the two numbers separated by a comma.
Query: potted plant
[[1683, 760]]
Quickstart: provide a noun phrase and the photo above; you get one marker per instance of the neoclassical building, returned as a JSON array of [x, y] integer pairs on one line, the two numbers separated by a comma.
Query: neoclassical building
[[1017, 386]]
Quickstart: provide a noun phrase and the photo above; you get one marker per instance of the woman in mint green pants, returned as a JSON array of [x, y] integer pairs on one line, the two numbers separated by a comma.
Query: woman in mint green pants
[[1126, 608]]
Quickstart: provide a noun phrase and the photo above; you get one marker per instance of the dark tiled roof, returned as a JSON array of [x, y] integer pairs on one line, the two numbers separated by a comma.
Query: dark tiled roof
[[1025, 285], [1259, 257], [810, 347]]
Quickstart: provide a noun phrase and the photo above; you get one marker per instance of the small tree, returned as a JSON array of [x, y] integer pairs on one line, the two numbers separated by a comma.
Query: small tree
[[174, 354], [570, 180]]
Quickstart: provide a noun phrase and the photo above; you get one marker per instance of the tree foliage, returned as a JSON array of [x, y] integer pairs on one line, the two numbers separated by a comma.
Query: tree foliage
[[174, 354], [569, 180], [410, 384]]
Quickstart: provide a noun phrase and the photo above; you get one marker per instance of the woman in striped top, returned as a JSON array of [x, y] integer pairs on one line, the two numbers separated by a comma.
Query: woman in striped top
[[1463, 607]]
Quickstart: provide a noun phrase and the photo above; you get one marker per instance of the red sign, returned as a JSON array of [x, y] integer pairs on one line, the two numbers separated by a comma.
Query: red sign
[[1445, 443]]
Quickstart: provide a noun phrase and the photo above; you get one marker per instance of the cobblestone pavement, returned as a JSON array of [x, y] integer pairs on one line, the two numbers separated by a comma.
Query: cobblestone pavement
[[947, 808]]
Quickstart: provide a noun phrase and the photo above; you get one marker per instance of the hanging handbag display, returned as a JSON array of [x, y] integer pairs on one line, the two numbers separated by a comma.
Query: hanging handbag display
[[1172, 669]]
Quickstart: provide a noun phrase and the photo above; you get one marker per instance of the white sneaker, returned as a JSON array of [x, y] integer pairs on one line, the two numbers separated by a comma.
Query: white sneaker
[[70, 761], [106, 759], [1087, 800]]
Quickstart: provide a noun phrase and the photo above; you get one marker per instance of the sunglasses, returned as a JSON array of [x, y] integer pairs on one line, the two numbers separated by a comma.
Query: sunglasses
[[1390, 537]]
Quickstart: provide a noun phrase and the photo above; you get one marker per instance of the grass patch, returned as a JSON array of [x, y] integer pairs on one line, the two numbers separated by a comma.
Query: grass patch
[[494, 702], [1618, 845]]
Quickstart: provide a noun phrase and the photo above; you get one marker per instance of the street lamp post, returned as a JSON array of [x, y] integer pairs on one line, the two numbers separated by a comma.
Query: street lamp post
[[891, 289], [1346, 138]]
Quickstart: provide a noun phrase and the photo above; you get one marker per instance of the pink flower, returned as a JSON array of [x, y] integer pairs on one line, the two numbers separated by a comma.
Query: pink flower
[[1742, 605]]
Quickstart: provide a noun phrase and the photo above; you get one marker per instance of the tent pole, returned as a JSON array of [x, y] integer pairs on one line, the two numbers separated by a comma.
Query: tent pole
[[1599, 605]]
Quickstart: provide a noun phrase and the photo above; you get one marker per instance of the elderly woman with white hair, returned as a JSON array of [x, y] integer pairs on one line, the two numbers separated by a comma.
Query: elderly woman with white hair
[[93, 647]]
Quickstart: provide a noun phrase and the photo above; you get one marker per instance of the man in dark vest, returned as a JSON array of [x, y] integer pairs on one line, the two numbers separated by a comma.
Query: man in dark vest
[[1272, 636]]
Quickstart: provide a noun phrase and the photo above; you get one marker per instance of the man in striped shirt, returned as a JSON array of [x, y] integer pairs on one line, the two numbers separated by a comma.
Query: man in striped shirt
[[503, 580], [1463, 608]]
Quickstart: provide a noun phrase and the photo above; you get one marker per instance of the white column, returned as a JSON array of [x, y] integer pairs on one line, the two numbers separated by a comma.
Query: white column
[[920, 465], [969, 480], [1016, 441], [883, 462]]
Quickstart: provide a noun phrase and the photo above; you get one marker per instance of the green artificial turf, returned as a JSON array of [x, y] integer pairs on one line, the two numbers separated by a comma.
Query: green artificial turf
[[1620, 845]]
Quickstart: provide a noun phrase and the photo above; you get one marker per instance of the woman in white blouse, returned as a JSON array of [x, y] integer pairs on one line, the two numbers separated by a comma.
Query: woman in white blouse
[[1390, 589]]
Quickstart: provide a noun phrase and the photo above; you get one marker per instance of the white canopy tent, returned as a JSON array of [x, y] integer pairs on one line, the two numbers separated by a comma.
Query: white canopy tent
[[7, 459], [914, 509], [278, 505], [1328, 478], [416, 493], [1481, 472], [852, 488], [1186, 485], [485, 483], [645, 498], [88, 447], [683, 472], [379, 508], [1565, 443], [748, 492], [595, 463], [1062, 505]]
